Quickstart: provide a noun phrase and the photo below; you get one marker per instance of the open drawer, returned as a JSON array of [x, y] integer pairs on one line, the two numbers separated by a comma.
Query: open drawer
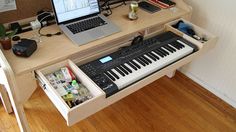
[[80, 111], [209, 39]]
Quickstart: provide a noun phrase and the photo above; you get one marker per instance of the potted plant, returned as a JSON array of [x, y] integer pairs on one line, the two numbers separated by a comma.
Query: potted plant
[[5, 38]]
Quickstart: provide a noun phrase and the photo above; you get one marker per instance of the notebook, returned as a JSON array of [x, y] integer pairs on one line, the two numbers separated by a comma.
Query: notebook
[[81, 20]]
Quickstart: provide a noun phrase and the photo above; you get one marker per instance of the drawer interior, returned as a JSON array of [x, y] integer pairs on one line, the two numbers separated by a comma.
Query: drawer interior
[[70, 112], [206, 38]]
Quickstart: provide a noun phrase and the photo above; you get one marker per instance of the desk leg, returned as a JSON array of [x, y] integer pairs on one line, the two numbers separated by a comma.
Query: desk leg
[[171, 74], [19, 114], [5, 99]]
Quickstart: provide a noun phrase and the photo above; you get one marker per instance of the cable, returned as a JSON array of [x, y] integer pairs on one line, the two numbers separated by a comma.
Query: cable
[[45, 17], [48, 34]]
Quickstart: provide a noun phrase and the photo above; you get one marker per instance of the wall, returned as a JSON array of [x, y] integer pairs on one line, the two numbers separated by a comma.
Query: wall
[[25, 9], [216, 70]]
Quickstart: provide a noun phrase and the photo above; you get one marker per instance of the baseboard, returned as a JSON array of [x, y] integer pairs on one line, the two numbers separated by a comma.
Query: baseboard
[[210, 88]]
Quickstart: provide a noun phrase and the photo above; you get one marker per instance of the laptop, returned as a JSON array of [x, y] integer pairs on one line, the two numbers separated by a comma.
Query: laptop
[[81, 20]]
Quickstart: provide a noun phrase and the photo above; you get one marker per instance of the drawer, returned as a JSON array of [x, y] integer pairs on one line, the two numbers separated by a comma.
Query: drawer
[[210, 39], [80, 111]]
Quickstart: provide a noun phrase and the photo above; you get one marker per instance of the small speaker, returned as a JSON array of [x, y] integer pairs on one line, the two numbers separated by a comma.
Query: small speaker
[[24, 48]]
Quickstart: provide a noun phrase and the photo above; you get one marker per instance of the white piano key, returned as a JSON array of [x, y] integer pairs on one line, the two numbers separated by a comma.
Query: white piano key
[[154, 66]]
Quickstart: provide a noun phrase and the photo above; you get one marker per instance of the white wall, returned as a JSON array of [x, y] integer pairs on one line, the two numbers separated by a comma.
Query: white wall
[[216, 70]]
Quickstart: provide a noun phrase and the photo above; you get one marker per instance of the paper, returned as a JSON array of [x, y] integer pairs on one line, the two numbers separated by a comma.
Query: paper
[[7, 5]]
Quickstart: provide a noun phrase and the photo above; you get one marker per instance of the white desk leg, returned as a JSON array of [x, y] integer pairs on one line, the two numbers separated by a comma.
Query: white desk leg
[[5, 99], [19, 113], [171, 74]]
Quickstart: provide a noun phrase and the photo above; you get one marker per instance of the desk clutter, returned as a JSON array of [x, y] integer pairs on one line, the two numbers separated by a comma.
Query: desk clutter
[[72, 91], [189, 30]]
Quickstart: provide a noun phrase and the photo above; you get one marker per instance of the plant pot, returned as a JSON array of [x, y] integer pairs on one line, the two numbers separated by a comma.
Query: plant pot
[[6, 44]]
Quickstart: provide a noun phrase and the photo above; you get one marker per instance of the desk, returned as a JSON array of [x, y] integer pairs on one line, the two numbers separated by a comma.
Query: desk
[[20, 72]]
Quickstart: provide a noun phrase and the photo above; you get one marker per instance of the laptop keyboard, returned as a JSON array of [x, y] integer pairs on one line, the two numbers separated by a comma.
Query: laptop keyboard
[[86, 25]]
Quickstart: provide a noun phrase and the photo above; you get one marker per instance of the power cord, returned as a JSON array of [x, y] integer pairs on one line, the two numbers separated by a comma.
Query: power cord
[[48, 34]]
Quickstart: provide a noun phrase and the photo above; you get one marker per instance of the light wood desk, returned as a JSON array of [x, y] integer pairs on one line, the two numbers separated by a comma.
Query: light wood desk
[[55, 51]]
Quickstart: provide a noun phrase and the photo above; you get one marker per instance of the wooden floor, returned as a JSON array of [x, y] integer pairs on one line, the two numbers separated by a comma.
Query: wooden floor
[[176, 104]]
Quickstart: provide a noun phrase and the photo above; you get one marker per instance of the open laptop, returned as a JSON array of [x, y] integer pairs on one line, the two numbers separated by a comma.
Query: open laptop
[[81, 20]]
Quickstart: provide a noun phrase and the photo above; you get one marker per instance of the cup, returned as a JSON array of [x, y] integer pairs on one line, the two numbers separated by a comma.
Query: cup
[[133, 10]]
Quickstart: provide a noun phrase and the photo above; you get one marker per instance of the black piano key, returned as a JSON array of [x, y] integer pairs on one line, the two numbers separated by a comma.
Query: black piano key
[[168, 48], [171, 48], [123, 70], [141, 62], [149, 61], [109, 75], [116, 76], [126, 68], [131, 65], [119, 71], [167, 53], [135, 64], [159, 53], [175, 44], [181, 44], [154, 55]]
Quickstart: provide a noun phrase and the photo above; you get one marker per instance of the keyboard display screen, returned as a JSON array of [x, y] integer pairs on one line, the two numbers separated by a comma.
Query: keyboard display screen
[[105, 59]]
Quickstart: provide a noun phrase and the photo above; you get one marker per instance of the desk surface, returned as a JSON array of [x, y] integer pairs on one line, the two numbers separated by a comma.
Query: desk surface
[[57, 48]]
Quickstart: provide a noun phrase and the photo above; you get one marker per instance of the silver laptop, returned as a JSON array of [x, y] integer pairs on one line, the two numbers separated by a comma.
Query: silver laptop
[[81, 20]]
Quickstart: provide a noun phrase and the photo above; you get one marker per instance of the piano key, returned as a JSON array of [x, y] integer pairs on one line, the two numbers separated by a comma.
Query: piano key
[[147, 59], [141, 62], [123, 70], [148, 69], [158, 53], [173, 49], [126, 68], [168, 48], [135, 64], [109, 76], [116, 76], [176, 45], [119, 71], [131, 65], [181, 43], [153, 54], [131, 69], [152, 57], [162, 49]]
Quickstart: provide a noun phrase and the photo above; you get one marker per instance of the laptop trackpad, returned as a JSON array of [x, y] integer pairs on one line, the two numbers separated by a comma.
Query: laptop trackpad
[[98, 33]]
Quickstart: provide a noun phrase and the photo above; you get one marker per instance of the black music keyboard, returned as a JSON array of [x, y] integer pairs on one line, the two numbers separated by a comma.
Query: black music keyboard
[[130, 64]]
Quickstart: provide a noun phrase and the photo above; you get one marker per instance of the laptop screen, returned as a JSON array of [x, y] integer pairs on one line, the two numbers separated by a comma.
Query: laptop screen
[[70, 9]]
